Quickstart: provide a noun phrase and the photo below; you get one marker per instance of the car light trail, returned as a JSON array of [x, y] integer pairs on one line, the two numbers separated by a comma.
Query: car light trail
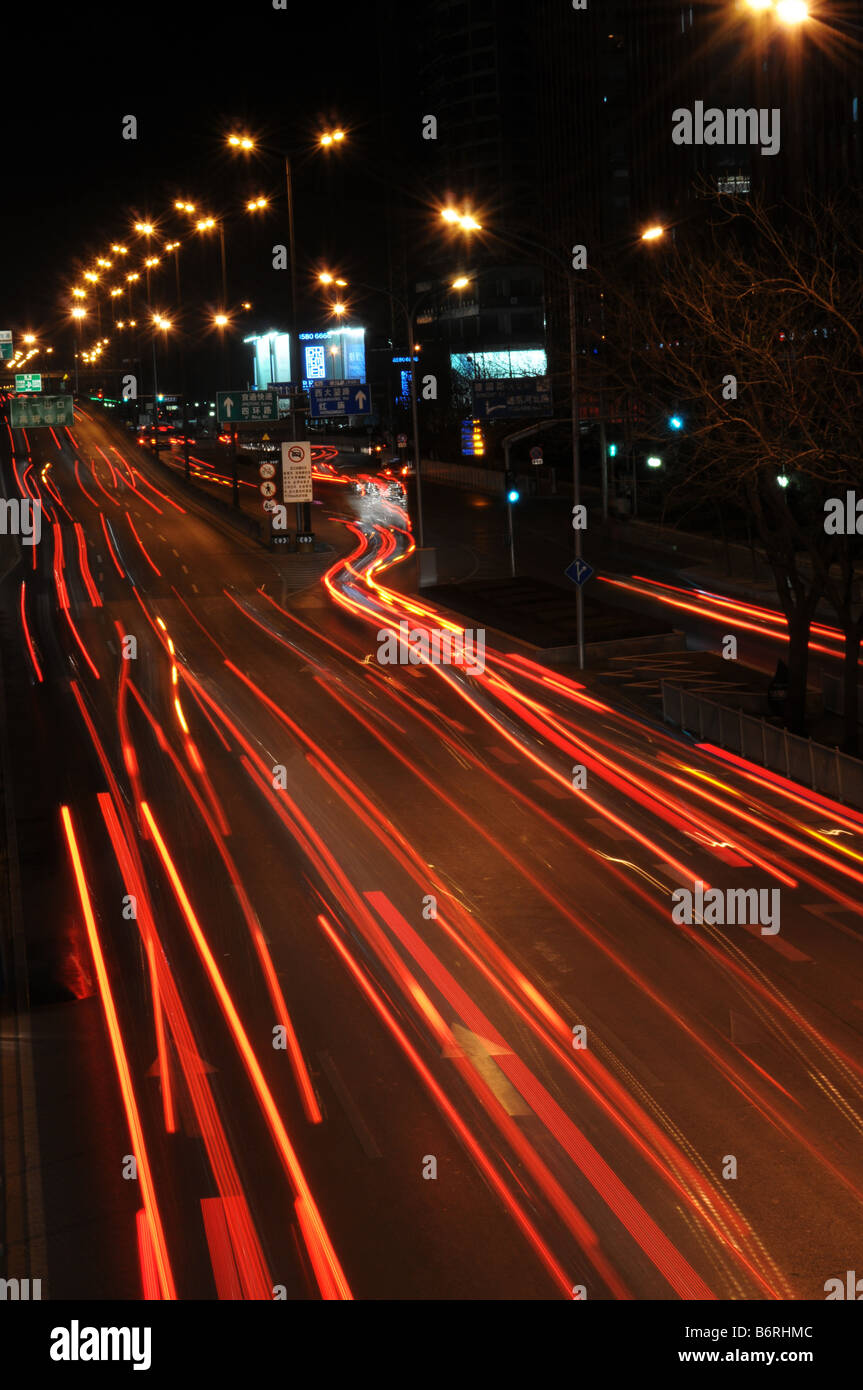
[[148, 1192], [30, 648], [323, 1255]]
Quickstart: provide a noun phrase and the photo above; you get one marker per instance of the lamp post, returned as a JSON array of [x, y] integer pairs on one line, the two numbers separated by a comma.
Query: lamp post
[[327, 140]]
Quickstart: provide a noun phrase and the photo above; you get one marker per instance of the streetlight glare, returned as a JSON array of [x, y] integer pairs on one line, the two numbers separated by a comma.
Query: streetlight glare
[[792, 11], [760, 4], [325, 277], [339, 309], [145, 228], [241, 142], [220, 320], [652, 233], [449, 214], [461, 282]]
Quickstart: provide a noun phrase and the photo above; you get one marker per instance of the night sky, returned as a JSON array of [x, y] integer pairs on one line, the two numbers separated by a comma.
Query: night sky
[[73, 184]]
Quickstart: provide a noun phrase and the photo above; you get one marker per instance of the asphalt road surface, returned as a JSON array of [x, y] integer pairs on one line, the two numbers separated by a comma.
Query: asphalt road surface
[[360, 979]]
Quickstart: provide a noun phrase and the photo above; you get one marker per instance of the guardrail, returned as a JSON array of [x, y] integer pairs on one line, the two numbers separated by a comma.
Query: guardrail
[[826, 770]]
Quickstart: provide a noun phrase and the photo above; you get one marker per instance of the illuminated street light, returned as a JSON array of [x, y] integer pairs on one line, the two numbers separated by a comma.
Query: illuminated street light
[[151, 261], [332, 137], [184, 207], [339, 308], [461, 283], [132, 276], [29, 338], [221, 320], [792, 11], [255, 204], [652, 233], [79, 294], [241, 142], [654, 461], [91, 275], [465, 221], [115, 292], [119, 250], [760, 4], [205, 224]]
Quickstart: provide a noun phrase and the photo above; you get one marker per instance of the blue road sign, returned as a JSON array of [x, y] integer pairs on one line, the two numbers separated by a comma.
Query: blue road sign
[[339, 398], [506, 398], [579, 572]]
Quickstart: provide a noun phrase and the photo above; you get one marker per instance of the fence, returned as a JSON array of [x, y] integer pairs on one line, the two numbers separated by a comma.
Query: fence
[[825, 770]]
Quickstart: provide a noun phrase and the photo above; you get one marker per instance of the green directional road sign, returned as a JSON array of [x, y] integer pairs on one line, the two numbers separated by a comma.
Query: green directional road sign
[[27, 412], [28, 381], [246, 407], [5, 343]]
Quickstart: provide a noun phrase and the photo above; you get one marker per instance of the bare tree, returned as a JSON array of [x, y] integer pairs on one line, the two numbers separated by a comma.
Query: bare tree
[[750, 324]]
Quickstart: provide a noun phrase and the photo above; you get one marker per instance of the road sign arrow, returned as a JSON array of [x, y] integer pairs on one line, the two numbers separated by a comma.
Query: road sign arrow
[[229, 406], [361, 399], [579, 572], [481, 1053]]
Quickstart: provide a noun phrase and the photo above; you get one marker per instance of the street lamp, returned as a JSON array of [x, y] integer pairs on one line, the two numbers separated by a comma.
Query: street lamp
[[78, 314], [652, 233]]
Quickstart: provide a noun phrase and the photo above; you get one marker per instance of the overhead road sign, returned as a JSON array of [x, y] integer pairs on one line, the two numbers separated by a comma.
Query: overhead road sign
[[28, 412], [5, 344], [339, 398], [246, 407], [28, 381], [510, 398]]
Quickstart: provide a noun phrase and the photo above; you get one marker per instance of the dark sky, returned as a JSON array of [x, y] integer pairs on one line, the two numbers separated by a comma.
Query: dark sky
[[190, 74]]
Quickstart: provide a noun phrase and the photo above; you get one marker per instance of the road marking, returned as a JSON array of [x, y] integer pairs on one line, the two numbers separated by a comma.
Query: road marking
[[614, 832], [176, 552], [546, 785], [503, 756], [194, 588], [783, 947], [825, 911], [481, 1053], [358, 1124]]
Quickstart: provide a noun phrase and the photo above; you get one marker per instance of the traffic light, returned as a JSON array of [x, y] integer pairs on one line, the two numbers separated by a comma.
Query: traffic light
[[675, 422], [511, 488], [612, 451]]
